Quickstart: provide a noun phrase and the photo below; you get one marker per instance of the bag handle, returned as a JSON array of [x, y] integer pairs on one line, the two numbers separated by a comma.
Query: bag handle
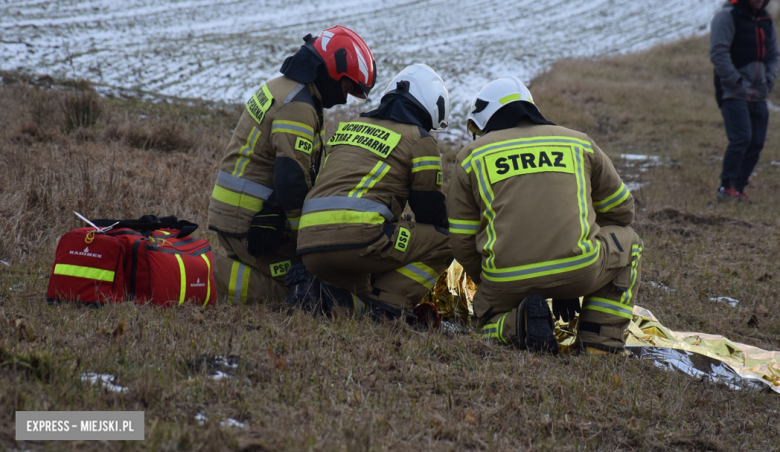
[[148, 223]]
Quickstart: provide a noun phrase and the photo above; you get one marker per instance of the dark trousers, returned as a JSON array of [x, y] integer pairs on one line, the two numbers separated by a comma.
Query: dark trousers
[[746, 124]]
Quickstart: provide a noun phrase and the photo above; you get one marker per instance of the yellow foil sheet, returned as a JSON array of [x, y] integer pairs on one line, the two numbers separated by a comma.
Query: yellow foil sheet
[[454, 292]]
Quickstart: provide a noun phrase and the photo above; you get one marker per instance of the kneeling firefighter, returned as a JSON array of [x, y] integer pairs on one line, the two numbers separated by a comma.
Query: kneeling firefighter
[[351, 236], [272, 160], [538, 211]]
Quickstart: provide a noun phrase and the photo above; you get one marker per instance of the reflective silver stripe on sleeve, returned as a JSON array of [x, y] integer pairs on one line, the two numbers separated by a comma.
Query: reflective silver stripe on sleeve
[[241, 185], [281, 127], [422, 274], [345, 202]]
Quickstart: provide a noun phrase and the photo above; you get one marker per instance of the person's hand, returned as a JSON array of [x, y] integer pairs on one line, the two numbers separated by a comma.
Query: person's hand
[[266, 231], [566, 309]]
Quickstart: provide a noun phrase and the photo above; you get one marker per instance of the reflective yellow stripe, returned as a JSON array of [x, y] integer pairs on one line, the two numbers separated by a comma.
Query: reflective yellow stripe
[[241, 200], [501, 329], [294, 128], [467, 227], [541, 269], [490, 330], [183, 274], [522, 142], [509, 98], [426, 163], [420, 272], [628, 295], [608, 306], [244, 152], [614, 200], [295, 222], [369, 180], [208, 279], [340, 216], [84, 272], [239, 282]]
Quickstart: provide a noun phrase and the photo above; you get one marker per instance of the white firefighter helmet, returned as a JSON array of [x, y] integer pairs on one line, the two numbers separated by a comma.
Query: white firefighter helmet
[[428, 90], [492, 97]]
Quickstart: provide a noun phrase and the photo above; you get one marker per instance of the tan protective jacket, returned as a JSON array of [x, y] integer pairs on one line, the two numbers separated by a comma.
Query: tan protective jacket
[[525, 204], [373, 166], [274, 147]]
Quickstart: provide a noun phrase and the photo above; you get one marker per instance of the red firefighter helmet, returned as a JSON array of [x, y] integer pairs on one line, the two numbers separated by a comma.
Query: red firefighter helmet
[[345, 54]]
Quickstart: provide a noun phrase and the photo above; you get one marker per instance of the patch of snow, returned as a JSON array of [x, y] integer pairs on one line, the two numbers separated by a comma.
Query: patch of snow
[[201, 419], [222, 50], [640, 157], [7, 264], [728, 300], [105, 380], [232, 423], [219, 376], [772, 106], [775, 163], [660, 287], [232, 363], [634, 186]]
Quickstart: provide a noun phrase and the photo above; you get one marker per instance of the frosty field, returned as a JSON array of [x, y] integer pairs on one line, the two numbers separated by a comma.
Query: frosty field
[[221, 50]]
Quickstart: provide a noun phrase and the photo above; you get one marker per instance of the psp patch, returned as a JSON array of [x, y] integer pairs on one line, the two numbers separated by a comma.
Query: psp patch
[[529, 160], [303, 145], [280, 268]]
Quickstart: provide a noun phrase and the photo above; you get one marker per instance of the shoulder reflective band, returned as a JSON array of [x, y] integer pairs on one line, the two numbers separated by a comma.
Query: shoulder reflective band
[[426, 163], [372, 138], [84, 272], [463, 226], [346, 203], [529, 160], [259, 103], [183, 274], [523, 142], [421, 273], [402, 242], [303, 145], [614, 200], [280, 268], [608, 307], [208, 280], [244, 152], [439, 178], [295, 222], [239, 283], [293, 128]]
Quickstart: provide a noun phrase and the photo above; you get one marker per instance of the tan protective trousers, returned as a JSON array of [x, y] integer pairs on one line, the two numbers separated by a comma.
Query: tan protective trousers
[[242, 278], [609, 287], [397, 271]]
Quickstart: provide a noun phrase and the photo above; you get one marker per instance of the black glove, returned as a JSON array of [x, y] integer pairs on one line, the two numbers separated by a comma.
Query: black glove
[[565, 309], [266, 231]]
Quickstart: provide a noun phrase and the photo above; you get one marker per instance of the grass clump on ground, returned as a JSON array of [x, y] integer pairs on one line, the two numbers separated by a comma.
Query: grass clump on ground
[[302, 383]]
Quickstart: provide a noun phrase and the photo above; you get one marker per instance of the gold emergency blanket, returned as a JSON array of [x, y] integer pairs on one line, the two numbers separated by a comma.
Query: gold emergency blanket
[[706, 356]]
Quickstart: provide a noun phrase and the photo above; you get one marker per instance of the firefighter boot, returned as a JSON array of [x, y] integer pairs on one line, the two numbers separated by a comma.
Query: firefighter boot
[[536, 326], [334, 298], [305, 289]]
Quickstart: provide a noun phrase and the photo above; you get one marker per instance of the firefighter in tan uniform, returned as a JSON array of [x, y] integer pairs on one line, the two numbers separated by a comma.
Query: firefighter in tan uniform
[[270, 164], [538, 211], [351, 234]]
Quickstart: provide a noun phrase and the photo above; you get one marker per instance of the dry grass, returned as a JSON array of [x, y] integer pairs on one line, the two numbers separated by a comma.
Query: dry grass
[[310, 384]]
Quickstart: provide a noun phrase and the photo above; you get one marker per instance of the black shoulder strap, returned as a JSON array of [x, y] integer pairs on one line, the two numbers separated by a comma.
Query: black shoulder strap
[[151, 223]]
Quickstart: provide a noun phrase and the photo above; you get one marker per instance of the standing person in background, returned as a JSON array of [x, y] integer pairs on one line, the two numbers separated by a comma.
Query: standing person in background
[[743, 49], [272, 160]]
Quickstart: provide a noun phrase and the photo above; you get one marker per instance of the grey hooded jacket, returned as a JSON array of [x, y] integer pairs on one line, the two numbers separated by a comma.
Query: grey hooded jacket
[[743, 49]]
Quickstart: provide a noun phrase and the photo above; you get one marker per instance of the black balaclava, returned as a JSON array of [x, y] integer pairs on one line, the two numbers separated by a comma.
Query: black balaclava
[[400, 106], [746, 7], [306, 66], [510, 116]]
